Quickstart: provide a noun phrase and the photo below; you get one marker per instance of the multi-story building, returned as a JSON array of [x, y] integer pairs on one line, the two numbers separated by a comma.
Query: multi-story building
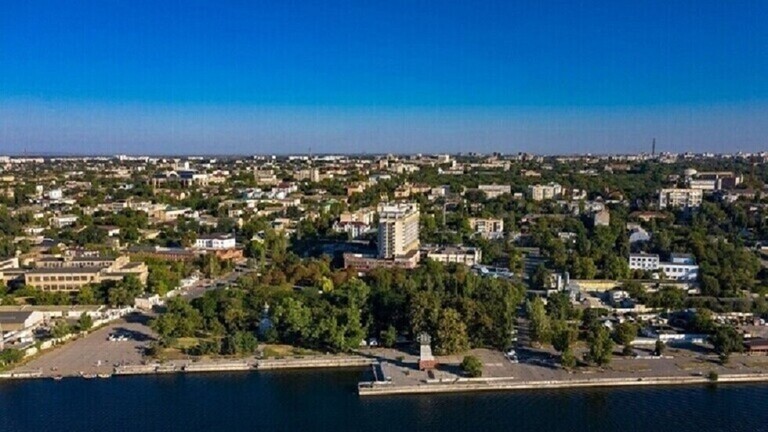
[[490, 228], [398, 229], [468, 256], [215, 241], [641, 261], [494, 190], [680, 198], [545, 192], [72, 273], [265, 177], [681, 267], [63, 221]]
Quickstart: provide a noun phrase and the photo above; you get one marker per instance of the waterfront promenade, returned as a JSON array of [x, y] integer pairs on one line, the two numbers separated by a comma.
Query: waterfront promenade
[[391, 371]]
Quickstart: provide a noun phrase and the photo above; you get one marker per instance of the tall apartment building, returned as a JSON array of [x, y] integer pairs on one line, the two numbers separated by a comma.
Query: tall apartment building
[[545, 192], [680, 198], [398, 229]]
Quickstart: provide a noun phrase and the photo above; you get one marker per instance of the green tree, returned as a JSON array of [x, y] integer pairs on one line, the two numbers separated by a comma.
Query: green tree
[[541, 278], [727, 340], [559, 306], [600, 346], [86, 296], [568, 359], [563, 336], [389, 336], [539, 325], [10, 356], [61, 329], [451, 337], [472, 366], [624, 334], [85, 322], [293, 320]]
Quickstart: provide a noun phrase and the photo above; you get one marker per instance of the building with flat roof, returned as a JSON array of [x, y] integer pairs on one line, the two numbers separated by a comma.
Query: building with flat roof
[[680, 198], [468, 256], [398, 230], [680, 267], [72, 273], [545, 192], [215, 241], [489, 228], [494, 190]]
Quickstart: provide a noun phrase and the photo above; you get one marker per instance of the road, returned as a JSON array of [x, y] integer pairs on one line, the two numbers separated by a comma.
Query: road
[[205, 285]]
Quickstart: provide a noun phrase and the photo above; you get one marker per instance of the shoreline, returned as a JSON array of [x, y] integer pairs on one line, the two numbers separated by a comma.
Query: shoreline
[[329, 362], [508, 384], [386, 388]]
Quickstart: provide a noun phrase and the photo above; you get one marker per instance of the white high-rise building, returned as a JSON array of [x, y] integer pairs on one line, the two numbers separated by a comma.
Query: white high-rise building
[[398, 229]]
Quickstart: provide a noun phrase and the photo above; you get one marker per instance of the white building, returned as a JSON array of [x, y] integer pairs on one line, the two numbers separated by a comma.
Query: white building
[[681, 267], [215, 241], [680, 198], [63, 221], [468, 256], [55, 194]]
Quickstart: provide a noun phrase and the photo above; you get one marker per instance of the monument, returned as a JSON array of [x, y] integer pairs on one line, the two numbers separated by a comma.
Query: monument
[[426, 359]]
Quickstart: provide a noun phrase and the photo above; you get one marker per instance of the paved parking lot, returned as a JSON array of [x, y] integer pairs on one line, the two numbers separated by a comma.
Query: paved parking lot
[[94, 353]]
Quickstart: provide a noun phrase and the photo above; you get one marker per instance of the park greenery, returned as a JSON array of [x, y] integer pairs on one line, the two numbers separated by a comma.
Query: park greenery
[[314, 307], [472, 366]]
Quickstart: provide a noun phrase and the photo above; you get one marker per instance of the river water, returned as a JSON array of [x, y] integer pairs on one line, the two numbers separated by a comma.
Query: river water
[[327, 401]]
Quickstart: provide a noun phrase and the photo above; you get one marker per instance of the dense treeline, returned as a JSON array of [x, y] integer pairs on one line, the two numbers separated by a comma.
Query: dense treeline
[[335, 311]]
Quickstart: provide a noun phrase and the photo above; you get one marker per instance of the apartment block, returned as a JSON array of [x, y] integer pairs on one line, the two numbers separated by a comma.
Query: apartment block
[[398, 229], [545, 192], [489, 228], [680, 198], [494, 190]]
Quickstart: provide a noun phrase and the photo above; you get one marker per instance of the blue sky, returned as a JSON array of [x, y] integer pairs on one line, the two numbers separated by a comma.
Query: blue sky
[[134, 76]]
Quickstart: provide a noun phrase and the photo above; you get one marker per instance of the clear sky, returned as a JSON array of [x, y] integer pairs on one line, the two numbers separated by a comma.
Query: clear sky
[[546, 76]]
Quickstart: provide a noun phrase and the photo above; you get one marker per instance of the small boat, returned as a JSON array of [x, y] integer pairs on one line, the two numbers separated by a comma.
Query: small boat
[[57, 377], [89, 376], [104, 375]]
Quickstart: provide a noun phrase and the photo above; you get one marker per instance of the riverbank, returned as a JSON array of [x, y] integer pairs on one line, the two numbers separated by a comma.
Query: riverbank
[[323, 362], [375, 388]]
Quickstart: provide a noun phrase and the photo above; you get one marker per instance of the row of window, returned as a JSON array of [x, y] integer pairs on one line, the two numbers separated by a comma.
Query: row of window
[[60, 278]]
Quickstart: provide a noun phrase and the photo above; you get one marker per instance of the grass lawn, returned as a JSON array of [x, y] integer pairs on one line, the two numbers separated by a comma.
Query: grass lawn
[[271, 351]]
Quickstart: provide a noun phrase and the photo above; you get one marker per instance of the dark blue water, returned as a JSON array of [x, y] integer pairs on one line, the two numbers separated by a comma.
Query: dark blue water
[[326, 401]]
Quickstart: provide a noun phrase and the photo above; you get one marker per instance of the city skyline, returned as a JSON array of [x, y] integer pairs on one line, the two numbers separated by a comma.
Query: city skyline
[[261, 78]]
